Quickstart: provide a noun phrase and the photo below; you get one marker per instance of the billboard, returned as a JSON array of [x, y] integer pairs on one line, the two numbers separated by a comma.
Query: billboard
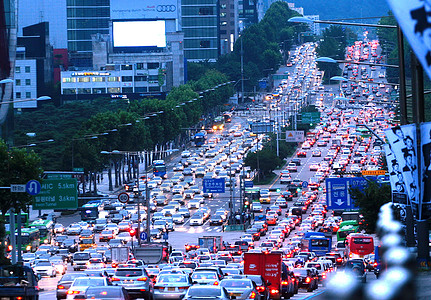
[[402, 161], [151, 34], [425, 209], [144, 9]]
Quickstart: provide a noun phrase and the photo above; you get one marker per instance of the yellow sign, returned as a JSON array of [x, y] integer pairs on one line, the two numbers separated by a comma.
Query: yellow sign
[[373, 172]]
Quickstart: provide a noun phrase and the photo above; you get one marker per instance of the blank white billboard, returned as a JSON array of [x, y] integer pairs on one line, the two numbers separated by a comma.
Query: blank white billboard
[[139, 34]]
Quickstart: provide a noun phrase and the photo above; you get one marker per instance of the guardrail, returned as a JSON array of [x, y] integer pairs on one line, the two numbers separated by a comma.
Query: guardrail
[[396, 273]]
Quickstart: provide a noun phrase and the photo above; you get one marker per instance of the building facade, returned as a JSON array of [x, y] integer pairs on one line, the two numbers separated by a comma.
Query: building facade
[[25, 81], [229, 25]]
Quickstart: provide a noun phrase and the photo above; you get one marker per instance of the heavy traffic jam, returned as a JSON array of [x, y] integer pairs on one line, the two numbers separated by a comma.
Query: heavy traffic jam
[[290, 244]]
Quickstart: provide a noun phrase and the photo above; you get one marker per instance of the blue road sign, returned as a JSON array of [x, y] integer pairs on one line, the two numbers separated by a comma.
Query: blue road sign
[[165, 236], [33, 187], [304, 184], [262, 84], [214, 185], [143, 235], [337, 191], [248, 184]]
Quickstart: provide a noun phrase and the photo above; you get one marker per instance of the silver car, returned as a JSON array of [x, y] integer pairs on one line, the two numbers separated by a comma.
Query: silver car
[[207, 292], [136, 281], [173, 285]]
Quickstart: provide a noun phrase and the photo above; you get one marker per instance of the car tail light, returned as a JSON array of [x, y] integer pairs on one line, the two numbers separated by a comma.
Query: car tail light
[[308, 280], [72, 292], [216, 283], [285, 282], [115, 279], [183, 287], [159, 287], [260, 289], [293, 279], [339, 259], [324, 275], [273, 291], [18, 298], [60, 287], [114, 265], [252, 295], [142, 279], [375, 264]]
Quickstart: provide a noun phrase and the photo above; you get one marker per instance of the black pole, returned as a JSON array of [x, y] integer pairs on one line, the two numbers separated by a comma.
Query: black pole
[[402, 72]]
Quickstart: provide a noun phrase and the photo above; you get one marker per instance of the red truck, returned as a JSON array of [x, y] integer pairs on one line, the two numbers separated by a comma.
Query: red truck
[[269, 266]]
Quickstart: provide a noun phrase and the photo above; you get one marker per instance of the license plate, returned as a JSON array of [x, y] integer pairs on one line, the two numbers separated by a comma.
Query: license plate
[[171, 289]]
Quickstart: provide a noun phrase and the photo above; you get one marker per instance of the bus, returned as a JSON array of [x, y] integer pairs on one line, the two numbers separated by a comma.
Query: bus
[[45, 230], [200, 138], [217, 124], [316, 242], [346, 228], [30, 239], [358, 245], [90, 211], [252, 194], [364, 132], [24, 221], [159, 168], [227, 117]]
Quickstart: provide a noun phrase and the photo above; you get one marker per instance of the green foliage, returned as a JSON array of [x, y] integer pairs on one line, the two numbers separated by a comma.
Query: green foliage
[[369, 201]]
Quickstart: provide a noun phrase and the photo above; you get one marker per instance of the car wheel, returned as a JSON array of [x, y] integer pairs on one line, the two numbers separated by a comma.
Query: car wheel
[[310, 289]]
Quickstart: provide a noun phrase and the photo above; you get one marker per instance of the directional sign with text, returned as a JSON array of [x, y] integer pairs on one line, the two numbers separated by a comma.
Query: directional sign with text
[[214, 185], [295, 136], [262, 127], [248, 183], [17, 188], [57, 194], [337, 191], [310, 117]]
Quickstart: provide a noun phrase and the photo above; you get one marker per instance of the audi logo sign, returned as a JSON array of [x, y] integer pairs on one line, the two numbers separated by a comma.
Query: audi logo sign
[[166, 8]]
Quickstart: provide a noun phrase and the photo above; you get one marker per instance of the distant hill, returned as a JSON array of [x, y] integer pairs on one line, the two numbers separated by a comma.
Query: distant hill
[[337, 9]]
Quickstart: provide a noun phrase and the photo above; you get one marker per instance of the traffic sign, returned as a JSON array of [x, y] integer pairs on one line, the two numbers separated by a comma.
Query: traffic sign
[[17, 188], [310, 117], [123, 197], [304, 184], [373, 172], [165, 236], [262, 127], [295, 136], [248, 184], [78, 170], [33, 187], [214, 185], [143, 235], [337, 191], [57, 194]]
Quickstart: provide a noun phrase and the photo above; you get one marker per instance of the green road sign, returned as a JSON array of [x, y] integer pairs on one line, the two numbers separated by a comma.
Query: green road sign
[[78, 169], [58, 176], [57, 194], [310, 117]]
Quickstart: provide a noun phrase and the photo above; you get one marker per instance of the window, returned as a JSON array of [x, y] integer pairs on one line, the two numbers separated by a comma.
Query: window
[[153, 78], [204, 44], [27, 69], [127, 90], [126, 67], [140, 66], [69, 91], [222, 15], [223, 6], [99, 91], [153, 65], [112, 79], [205, 11], [18, 95], [27, 82], [141, 89], [68, 79], [17, 69], [224, 23], [154, 89], [114, 90], [84, 79], [84, 91], [98, 79], [126, 78], [17, 82], [140, 78], [28, 95]]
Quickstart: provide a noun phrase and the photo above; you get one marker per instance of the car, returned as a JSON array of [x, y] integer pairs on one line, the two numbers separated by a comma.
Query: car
[[107, 292], [65, 282], [194, 203], [173, 285], [185, 154], [206, 292], [44, 268], [256, 207], [216, 220], [357, 267], [95, 263], [316, 153], [292, 167], [306, 279], [241, 288], [301, 154], [80, 285], [197, 219], [135, 280], [178, 218]]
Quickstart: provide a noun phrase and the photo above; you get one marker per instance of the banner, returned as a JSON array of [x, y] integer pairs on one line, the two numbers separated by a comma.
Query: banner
[[403, 164], [426, 169], [414, 17]]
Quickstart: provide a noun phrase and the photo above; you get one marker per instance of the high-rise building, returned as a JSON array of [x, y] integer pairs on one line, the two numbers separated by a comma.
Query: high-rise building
[[314, 27], [248, 13], [228, 25], [201, 24]]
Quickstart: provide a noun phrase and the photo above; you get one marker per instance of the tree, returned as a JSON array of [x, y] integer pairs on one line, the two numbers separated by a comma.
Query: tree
[[369, 200], [17, 166]]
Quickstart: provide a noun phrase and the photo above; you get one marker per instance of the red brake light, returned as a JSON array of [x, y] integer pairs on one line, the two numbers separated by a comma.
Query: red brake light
[[115, 279], [308, 280], [284, 282], [60, 287], [215, 283], [252, 295], [72, 292], [142, 279], [273, 291], [260, 289]]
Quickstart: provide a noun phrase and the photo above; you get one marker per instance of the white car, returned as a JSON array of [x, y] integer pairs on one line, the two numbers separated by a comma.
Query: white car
[[197, 219], [185, 154], [80, 285], [194, 203], [44, 268]]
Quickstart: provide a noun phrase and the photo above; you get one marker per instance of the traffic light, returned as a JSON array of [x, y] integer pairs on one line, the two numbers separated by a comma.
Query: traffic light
[[133, 232], [246, 204]]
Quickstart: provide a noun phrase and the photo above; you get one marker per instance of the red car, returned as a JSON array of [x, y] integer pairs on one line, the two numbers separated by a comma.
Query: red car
[[301, 154]]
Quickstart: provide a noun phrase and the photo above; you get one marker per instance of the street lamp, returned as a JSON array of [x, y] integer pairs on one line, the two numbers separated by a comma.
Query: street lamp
[[331, 60]]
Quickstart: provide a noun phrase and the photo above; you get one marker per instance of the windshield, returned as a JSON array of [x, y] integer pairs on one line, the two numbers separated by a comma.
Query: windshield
[[81, 256], [128, 272], [204, 292], [89, 282], [170, 278], [43, 264], [236, 283], [101, 293], [319, 243], [362, 240], [344, 234], [204, 275], [71, 277]]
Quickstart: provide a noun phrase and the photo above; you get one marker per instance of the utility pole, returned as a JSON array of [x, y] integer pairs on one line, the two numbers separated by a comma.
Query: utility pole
[[242, 72]]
